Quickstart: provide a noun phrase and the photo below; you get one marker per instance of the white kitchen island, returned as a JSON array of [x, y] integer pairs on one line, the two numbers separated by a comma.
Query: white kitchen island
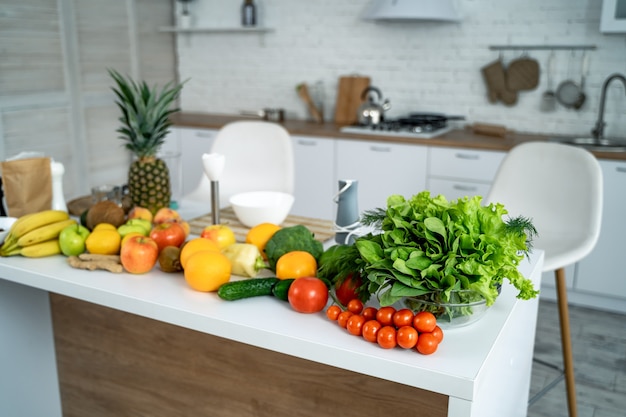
[[480, 370]]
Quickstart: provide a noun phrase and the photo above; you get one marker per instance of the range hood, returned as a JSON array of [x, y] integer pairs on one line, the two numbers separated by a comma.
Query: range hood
[[412, 10]]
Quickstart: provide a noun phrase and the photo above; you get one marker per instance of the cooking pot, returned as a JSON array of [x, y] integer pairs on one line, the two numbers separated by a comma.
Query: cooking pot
[[371, 112]]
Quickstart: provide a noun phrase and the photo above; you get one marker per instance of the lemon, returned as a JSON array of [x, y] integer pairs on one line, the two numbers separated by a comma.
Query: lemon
[[104, 242], [104, 226]]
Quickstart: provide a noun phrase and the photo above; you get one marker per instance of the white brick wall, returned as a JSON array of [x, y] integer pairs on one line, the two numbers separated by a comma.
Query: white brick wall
[[419, 66]]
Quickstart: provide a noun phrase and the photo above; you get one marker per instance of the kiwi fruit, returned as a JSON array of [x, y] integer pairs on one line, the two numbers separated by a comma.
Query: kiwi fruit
[[169, 259]]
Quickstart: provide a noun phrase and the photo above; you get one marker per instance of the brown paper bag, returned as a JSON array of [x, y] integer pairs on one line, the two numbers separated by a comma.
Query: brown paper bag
[[27, 185]]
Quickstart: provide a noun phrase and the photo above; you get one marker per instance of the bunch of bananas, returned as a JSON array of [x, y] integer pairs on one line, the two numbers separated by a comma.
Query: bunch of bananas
[[36, 235]]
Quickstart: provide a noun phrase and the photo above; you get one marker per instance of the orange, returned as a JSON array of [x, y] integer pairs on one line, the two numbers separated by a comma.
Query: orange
[[207, 270], [104, 242], [296, 264], [196, 245], [260, 234]]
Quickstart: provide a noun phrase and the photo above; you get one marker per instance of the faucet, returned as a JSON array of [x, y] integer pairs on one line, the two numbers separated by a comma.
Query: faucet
[[598, 130]]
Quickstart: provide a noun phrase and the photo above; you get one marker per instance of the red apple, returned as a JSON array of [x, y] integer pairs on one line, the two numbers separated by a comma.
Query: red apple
[[220, 234], [138, 212], [166, 215], [168, 234], [139, 254]]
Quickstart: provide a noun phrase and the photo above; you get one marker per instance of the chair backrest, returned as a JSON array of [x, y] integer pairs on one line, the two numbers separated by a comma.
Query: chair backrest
[[560, 188], [258, 157]]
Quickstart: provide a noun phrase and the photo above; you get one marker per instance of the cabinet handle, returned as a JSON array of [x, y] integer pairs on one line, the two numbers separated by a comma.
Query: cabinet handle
[[469, 156], [460, 187], [620, 169], [307, 142], [204, 134], [380, 148]]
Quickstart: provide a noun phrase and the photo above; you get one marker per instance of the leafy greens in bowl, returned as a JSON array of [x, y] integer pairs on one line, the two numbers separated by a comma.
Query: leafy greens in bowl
[[428, 244]]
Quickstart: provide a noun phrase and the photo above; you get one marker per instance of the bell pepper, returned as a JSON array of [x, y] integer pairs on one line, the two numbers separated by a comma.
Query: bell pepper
[[245, 258]]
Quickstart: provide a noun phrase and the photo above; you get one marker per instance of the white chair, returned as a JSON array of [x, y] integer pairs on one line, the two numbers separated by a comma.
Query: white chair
[[258, 157], [560, 188]]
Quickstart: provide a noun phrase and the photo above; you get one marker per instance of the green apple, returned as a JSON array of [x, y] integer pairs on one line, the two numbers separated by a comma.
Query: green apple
[[72, 239], [126, 228], [145, 224]]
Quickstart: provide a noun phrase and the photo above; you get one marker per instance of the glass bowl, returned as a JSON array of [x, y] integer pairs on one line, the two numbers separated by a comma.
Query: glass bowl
[[460, 309]]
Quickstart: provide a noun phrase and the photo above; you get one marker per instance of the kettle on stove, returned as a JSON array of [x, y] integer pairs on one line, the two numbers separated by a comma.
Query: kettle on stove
[[371, 112]]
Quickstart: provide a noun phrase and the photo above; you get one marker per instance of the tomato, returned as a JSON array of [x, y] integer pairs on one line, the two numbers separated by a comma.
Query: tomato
[[370, 330], [308, 295], [407, 337], [427, 343], [296, 264], [386, 337], [424, 322], [333, 312], [369, 313], [403, 317], [342, 318], [355, 324], [385, 315], [438, 333], [355, 305], [347, 290]]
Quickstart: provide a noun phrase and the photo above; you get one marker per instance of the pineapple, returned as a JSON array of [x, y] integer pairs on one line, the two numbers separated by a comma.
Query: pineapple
[[145, 123]]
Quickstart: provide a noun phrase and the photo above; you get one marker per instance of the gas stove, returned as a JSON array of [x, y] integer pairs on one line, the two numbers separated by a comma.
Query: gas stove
[[416, 125]]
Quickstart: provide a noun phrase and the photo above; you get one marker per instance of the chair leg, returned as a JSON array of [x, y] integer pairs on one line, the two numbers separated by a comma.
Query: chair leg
[[566, 341]]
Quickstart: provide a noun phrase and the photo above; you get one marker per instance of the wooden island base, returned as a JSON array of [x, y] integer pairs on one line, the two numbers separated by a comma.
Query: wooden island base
[[112, 363]]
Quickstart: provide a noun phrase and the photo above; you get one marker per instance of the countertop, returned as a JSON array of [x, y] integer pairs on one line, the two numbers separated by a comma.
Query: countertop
[[455, 369], [463, 138]]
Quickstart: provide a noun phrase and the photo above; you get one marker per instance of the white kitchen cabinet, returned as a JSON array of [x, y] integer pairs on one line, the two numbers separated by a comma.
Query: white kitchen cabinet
[[456, 172], [315, 185], [602, 272], [381, 169], [193, 143]]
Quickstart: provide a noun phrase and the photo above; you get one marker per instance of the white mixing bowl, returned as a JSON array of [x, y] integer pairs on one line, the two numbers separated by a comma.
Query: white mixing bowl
[[256, 207]]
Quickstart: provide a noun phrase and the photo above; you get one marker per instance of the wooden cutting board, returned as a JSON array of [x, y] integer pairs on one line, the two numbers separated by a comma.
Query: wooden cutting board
[[349, 92], [322, 229]]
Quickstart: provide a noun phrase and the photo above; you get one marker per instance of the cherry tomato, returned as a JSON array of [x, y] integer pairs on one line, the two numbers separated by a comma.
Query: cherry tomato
[[427, 344], [370, 330], [403, 317], [369, 313], [386, 337], [385, 315], [355, 305], [308, 295], [347, 290], [407, 337], [424, 322], [355, 324], [438, 333], [342, 319], [333, 312]]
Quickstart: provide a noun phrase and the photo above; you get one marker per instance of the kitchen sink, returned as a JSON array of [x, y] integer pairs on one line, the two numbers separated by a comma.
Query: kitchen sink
[[592, 144]]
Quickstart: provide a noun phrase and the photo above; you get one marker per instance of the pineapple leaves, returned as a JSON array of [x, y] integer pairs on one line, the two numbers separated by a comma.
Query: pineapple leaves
[[145, 113]]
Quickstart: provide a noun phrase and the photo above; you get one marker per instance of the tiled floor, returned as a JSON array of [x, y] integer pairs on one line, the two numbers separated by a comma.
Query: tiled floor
[[599, 344]]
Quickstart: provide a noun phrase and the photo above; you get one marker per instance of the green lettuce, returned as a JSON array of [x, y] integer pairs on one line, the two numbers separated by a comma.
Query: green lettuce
[[432, 245]]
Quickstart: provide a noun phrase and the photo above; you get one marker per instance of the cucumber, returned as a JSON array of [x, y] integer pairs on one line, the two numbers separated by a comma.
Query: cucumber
[[281, 289], [246, 288]]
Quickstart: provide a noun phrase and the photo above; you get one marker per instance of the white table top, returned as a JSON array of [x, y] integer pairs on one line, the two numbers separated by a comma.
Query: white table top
[[270, 323]]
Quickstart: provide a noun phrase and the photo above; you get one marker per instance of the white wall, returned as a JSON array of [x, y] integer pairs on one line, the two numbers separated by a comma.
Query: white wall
[[423, 66]]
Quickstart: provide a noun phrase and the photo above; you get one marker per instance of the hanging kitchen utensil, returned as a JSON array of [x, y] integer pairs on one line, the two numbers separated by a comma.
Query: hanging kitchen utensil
[[548, 98], [583, 73], [568, 92], [522, 74], [494, 76], [372, 112]]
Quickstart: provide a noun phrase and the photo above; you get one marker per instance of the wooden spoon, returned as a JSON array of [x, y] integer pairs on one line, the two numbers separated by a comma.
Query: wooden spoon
[[303, 92]]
